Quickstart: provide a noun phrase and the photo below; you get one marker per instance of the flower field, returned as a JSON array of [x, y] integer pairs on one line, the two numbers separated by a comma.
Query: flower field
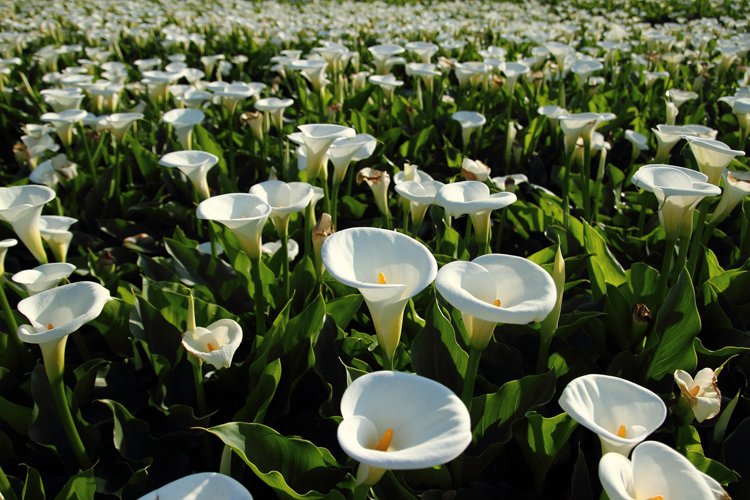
[[387, 250]]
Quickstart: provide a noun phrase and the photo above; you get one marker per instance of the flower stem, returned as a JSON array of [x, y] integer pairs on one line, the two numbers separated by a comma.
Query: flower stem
[[260, 303], [5, 488], [285, 265], [684, 243], [54, 365], [225, 465], [470, 377], [586, 179], [566, 190], [665, 268], [697, 239], [200, 393], [361, 492], [10, 322]]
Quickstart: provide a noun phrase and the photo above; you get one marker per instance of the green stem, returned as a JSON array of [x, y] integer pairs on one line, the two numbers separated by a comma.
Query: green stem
[[200, 393], [697, 239], [10, 322], [225, 466], [545, 340], [665, 268], [285, 265], [260, 302], [5, 489], [334, 213], [114, 185], [66, 418], [586, 179], [684, 243], [470, 377], [566, 190]]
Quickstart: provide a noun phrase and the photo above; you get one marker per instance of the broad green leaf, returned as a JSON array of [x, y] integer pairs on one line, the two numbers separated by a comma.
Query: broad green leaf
[[343, 309], [543, 439], [131, 436], [82, 486], [33, 487], [112, 325], [688, 442], [603, 266], [15, 415], [206, 143], [261, 394], [676, 326], [293, 467]]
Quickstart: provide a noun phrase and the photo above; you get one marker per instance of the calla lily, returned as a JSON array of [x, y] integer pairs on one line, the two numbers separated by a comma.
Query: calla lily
[[712, 156], [473, 198], [680, 97], [43, 277], [54, 170], [655, 471], [423, 50], [496, 288], [231, 95], [275, 107], [119, 123], [736, 187], [553, 113], [387, 267], [678, 191], [314, 71], [420, 194], [64, 122], [345, 150], [214, 344], [581, 125], [411, 172], [55, 233], [620, 412], [513, 71], [272, 247], [469, 121], [506, 182], [378, 180], [4, 246], [388, 83], [21, 207], [183, 120], [62, 99], [384, 57], [423, 424], [317, 138], [201, 486], [638, 141], [702, 393], [284, 198], [244, 214], [194, 165], [666, 137], [474, 170]]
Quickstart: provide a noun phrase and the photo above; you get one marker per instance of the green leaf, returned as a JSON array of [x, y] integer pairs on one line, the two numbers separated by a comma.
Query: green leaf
[[206, 143], [435, 352], [720, 427], [82, 486], [343, 309], [676, 326], [688, 442], [293, 467], [131, 436], [543, 439], [112, 325], [15, 415], [603, 267], [33, 488], [261, 394]]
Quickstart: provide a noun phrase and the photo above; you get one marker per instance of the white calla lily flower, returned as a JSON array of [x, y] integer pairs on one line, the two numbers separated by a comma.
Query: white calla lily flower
[[702, 393], [55, 231], [420, 194], [401, 421], [183, 120], [201, 486], [4, 246], [387, 267], [284, 198], [244, 214], [275, 107], [195, 165], [43, 277], [469, 121], [496, 288], [712, 156], [317, 138], [21, 207], [655, 471], [736, 187], [620, 412]]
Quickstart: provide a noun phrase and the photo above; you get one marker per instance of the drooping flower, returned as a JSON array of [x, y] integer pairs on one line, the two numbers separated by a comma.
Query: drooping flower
[[387, 267], [422, 424], [244, 214], [21, 207], [43, 277], [702, 393], [620, 412], [474, 170], [496, 288], [655, 471], [678, 191], [195, 165]]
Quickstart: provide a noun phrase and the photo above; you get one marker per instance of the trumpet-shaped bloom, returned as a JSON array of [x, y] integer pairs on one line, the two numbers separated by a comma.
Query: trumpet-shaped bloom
[[272, 247], [469, 121], [317, 138], [474, 170], [423, 50], [395, 420], [387, 267], [420, 194], [183, 120], [284, 198], [388, 83], [43, 277], [513, 71], [55, 233], [620, 412], [56, 313], [346, 150], [378, 180], [244, 214], [712, 156], [62, 99], [655, 471], [736, 187], [119, 123], [194, 165], [21, 207], [202, 486], [214, 344], [4, 246], [702, 392], [678, 191], [64, 122], [581, 125], [54, 170], [275, 107], [314, 71], [496, 288], [384, 57]]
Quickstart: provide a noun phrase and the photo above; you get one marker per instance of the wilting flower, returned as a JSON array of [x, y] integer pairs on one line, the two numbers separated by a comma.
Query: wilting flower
[[21, 207], [702, 393], [54, 170], [401, 421], [474, 170], [469, 121], [43, 277], [244, 214], [55, 233], [678, 191], [378, 180], [736, 187], [712, 156], [322, 230], [496, 288], [655, 471], [387, 267], [194, 165], [214, 344], [183, 120], [202, 485], [620, 412]]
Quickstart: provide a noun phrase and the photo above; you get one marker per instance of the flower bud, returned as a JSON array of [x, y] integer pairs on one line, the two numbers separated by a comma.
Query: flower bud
[[322, 230]]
